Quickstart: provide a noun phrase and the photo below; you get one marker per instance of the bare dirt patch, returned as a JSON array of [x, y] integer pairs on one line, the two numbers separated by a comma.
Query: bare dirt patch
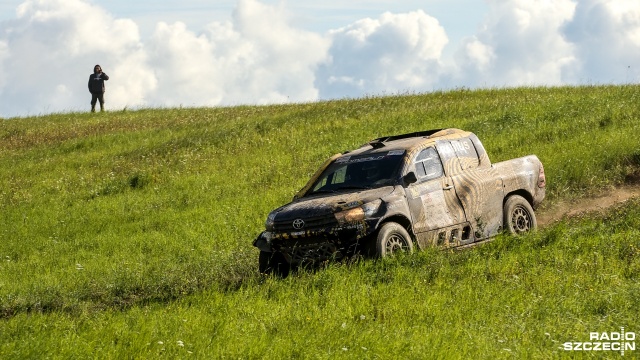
[[582, 206]]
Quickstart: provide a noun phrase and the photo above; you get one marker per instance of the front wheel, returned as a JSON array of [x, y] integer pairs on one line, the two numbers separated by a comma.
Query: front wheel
[[393, 238], [519, 217], [273, 263]]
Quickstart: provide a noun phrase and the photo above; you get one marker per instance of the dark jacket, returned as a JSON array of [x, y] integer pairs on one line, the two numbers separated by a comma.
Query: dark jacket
[[96, 82]]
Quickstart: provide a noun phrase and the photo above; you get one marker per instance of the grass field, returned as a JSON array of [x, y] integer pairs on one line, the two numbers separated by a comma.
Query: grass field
[[128, 234]]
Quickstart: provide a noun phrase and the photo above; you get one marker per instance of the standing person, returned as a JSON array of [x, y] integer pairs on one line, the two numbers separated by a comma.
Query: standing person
[[96, 87]]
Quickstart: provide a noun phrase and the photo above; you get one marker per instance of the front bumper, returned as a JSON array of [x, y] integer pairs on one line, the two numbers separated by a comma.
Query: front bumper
[[313, 246]]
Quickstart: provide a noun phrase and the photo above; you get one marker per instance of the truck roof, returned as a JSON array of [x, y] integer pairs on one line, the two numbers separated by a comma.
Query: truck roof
[[410, 141]]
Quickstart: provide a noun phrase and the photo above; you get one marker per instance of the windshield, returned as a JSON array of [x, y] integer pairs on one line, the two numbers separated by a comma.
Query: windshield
[[360, 172]]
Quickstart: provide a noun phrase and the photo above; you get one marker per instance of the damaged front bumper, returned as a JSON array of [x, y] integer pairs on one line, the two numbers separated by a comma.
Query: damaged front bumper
[[314, 246]]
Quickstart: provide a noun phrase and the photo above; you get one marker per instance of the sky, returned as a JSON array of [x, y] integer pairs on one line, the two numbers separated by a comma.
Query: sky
[[230, 52]]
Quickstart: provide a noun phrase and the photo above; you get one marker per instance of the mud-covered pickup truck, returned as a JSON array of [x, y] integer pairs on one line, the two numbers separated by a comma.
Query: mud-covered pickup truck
[[430, 188]]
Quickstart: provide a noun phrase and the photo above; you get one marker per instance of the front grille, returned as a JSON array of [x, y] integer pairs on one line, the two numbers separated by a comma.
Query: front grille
[[315, 248], [313, 223], [310, 250]]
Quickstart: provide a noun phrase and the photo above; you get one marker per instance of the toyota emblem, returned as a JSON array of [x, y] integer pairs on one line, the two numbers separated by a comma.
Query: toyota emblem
[[298, 224]]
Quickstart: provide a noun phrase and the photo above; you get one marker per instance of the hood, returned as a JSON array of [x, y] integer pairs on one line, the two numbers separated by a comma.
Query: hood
[[326, 205]]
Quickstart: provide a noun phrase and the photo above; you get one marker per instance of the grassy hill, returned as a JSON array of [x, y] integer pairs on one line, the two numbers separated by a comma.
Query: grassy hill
[[128, 234]]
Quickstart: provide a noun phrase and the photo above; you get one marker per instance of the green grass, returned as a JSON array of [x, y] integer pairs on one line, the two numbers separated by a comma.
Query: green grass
[[125, 229]]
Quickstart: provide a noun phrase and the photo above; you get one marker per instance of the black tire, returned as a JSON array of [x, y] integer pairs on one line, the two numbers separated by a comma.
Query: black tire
[[392, 238], [519, 217], [273, 263]]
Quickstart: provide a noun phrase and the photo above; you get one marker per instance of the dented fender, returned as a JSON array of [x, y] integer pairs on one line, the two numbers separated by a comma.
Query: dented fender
[[263, 242]]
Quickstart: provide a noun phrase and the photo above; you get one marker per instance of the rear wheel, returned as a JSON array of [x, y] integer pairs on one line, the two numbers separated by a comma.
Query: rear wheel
[[273, 263], [519, 217], [393, 238]]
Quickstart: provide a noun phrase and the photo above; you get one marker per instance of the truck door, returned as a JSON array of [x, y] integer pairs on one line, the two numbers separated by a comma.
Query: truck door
[[432, 199]]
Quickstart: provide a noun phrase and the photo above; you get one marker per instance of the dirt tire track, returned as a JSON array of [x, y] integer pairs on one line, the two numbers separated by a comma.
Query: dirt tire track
[[599, 203]]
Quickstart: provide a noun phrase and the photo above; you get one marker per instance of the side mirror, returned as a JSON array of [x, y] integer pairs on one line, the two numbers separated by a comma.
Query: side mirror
[[409, 179]]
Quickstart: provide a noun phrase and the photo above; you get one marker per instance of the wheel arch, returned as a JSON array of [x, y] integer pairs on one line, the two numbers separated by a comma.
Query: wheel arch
[[522, 192], [402, 221]]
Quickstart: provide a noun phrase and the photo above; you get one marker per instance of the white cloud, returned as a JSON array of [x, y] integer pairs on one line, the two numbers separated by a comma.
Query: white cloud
[[257, 58], [279, 60], [519, 43], [48, 50], [395, 53], [606, 34]]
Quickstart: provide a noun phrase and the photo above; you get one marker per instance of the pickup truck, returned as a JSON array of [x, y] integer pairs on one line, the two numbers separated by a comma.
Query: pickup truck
[[396, 193]]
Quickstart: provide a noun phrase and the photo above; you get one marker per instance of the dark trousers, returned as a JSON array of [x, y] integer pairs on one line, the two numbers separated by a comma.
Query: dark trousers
[[97, 97]]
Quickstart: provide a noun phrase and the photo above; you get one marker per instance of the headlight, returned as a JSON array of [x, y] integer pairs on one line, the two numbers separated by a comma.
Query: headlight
[[271, 219], [358, 213]]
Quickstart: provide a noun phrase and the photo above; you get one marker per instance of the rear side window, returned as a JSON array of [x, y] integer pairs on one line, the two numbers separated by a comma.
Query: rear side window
[[428, 165], [466, 153]]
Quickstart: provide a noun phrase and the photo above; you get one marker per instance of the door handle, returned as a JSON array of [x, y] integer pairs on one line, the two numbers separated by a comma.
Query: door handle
[[448, 187]]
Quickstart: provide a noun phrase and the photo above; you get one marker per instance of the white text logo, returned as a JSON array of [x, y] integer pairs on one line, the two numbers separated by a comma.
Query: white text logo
[[607, 341]]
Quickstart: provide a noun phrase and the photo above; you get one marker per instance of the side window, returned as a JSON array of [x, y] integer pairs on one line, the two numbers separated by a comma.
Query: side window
[[466, 153], [428, 165]]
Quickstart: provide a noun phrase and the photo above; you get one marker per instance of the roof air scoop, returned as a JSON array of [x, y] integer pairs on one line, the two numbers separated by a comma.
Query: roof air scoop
[[376, 144]]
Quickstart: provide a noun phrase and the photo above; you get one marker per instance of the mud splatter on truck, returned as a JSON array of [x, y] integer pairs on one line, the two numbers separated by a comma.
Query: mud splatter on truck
[[430, 188]]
